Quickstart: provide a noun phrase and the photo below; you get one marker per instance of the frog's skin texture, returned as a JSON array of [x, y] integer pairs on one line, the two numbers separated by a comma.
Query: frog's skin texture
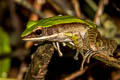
[[93, 43], [83, 35]]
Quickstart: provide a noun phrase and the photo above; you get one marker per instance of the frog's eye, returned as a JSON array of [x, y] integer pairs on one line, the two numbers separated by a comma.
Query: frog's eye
[[38, 32]]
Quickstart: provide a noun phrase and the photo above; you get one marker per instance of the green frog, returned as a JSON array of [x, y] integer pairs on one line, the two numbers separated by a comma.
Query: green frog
[[81, 34]]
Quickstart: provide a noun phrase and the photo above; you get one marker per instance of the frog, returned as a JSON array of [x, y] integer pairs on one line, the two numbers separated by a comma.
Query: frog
[[81, 34]]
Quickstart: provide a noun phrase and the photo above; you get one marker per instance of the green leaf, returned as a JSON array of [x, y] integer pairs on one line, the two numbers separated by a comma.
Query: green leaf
[[4, 49], [48, 22]]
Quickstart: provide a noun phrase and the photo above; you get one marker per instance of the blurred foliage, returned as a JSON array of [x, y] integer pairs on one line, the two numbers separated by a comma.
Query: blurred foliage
[[6, 79], [108, 28], [4, 49]]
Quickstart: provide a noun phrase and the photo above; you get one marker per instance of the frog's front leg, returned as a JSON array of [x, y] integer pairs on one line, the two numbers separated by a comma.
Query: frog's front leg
[[77, 50], [77, 53], [71, 45], [57, 47], [78, 43]]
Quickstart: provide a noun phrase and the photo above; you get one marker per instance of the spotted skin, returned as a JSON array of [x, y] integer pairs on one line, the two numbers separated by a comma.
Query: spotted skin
[[93, 43]]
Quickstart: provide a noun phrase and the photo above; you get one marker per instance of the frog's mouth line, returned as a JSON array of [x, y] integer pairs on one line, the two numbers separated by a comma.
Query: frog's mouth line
[[39, 38], [54, 37]]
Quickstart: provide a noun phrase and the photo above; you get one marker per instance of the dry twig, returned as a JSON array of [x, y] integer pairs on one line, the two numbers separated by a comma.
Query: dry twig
[[39, 63], [30, 7], [99, 12], [62, 6], [110, 61], [76, 74], [76, 6]]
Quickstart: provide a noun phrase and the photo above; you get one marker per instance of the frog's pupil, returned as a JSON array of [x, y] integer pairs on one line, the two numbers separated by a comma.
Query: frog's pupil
[[38, 32]]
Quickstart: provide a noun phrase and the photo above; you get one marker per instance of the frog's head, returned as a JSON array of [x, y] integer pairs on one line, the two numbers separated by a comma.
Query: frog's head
[[33, 34], [45, 34]]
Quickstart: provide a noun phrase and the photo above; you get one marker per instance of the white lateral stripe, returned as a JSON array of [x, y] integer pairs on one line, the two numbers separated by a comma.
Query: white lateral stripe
[[40, 38]]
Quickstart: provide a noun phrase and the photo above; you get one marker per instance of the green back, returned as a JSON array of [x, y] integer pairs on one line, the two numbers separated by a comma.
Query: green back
[[48, 22]]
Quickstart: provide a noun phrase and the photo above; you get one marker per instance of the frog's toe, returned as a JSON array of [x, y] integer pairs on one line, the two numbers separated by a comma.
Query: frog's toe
[[76, 57], [89, 57]]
